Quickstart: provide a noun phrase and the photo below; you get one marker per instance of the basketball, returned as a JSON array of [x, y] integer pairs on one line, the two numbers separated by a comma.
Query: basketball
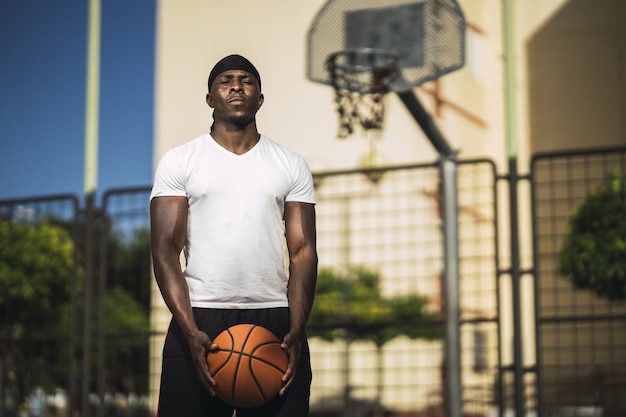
[[249, 365]]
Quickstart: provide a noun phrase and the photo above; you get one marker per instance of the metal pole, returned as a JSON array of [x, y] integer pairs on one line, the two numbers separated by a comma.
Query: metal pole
[[72, 358], [448, 169], [426, 122], [93, 97], [102, 286], [510, 108], [510, 112], [451, 287], [91, 180], [88, 297], [518, 366]]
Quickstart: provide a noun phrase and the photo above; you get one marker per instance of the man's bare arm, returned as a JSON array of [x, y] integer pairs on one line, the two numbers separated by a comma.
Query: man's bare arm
[[168, 230], [301, 243]]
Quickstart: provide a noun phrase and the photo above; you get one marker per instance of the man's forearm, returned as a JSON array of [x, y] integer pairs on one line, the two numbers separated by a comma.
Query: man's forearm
[[301, 292], [175, 292]]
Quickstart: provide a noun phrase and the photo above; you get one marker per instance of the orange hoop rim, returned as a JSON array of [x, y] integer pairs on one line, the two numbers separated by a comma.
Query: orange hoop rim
[[363, 70]]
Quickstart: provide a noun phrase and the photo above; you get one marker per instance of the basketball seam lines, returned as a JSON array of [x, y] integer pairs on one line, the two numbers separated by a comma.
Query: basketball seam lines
[[238, 361], [243, 346], [256, 381]]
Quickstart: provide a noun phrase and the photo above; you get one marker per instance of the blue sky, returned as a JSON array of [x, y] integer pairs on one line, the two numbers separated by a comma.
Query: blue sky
[[42, 95]]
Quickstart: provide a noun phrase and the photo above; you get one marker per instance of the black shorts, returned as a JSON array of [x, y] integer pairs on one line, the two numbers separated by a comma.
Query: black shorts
[[182, 394]]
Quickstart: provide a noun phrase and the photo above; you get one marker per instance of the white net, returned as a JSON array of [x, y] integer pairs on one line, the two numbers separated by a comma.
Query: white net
[[361, 77]]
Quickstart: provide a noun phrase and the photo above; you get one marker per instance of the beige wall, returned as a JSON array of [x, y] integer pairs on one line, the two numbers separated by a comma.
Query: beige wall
[[573, 73]]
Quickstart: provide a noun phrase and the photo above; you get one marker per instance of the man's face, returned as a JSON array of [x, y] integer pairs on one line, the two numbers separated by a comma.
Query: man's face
[[235, 96]]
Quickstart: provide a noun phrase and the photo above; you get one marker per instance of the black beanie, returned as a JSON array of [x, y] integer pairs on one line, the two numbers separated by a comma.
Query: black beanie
[[233, 62]]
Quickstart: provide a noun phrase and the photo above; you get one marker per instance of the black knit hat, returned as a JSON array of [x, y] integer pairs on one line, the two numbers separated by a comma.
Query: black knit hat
[[233, 62]]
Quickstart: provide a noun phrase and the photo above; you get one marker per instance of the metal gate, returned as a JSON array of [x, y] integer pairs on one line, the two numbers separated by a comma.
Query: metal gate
[[389, 221], [581, 337], [74, 306], [39, 289]]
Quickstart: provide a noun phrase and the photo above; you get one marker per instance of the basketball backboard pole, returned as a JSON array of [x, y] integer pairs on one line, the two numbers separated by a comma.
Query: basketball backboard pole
[[366, 48], [452, 309], [425, 122], [449, 204]]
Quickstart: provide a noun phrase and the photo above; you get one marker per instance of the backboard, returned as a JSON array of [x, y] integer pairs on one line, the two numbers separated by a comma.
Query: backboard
[[427, 36]]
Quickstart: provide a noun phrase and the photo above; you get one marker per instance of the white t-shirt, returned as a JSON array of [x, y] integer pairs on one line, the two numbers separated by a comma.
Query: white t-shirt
[[235, 232]]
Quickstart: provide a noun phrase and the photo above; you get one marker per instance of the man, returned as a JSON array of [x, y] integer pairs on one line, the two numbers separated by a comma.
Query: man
[[230, 200]]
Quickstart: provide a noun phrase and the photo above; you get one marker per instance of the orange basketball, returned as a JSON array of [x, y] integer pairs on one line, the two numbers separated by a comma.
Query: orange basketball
[[248, 366]]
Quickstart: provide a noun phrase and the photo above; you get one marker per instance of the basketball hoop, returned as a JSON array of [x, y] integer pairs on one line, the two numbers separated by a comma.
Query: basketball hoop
[[361, 77]]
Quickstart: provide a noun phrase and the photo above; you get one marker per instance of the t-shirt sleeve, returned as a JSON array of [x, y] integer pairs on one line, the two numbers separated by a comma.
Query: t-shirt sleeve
[[302, 190], [169, 177]]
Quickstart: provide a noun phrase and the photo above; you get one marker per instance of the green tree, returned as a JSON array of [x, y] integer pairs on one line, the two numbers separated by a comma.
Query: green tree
[[36, 264], [126, 355], [355, 303], [128, 264], [127, 310], [351, 306], [36, 271], [593, 253]]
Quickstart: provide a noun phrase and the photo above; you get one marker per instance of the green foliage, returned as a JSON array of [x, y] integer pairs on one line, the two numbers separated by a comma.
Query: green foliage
[[127, 327], [354, 302], [593, 253], [36, 271], [129, 264], [36, 263], [127, 310], [124, 315]]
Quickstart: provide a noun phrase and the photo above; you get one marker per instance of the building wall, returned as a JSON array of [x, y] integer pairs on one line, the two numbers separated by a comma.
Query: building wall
[[572, 73]]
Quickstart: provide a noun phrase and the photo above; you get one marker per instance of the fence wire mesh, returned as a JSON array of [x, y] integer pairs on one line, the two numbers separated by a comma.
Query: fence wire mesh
[[389, 221], [581, 335]]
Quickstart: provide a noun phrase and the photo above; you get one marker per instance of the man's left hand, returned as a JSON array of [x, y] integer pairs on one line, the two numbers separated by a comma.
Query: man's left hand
[[293, 347]]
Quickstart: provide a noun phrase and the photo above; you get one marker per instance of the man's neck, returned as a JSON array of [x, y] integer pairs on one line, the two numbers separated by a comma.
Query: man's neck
[[237, 141]]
